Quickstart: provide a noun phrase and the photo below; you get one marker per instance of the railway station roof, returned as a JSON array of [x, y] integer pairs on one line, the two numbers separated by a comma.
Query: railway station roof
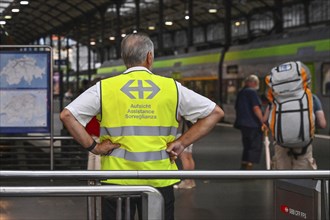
[[87, 20]]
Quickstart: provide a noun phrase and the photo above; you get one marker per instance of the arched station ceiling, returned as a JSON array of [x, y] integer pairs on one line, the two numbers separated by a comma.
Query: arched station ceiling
[[83, 20]]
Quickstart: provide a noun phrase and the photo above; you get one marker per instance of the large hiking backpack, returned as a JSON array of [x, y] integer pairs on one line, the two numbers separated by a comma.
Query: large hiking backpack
[[291, 117]]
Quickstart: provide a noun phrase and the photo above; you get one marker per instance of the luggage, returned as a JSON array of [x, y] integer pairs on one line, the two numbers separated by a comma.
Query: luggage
[[291, 116]]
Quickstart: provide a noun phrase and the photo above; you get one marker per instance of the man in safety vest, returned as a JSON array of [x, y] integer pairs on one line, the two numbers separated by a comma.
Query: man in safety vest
[[140, 114]]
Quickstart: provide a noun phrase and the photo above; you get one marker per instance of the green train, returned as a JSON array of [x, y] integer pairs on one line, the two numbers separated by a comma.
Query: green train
[[205, 73]]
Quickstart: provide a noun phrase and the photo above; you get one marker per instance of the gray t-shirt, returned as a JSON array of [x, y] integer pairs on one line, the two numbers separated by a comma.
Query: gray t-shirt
[[317, 106]]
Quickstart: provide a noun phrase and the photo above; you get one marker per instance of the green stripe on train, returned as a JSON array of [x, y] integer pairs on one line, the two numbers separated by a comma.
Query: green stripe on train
[[280, 50], [209, 58]]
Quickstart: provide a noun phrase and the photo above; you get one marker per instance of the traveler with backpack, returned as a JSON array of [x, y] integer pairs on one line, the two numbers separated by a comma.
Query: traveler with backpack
[[249, 120], [292, 116]]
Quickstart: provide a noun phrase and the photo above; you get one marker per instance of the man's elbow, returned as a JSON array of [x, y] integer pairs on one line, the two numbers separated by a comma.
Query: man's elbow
[[218, 112], [320, 119], [65, 115], [257, 109], [322, 124]]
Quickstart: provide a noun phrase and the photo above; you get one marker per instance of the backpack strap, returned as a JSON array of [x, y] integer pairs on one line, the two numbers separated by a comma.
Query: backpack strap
[[310, 112], [298, 69], [279, 124], [302, 131], [269, 94], [303, 151], [273, 119], [304, 76], [271, 99]]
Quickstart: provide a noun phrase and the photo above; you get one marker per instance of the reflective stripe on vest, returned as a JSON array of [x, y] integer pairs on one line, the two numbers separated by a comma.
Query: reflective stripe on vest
[[139, 131], [139, 156]]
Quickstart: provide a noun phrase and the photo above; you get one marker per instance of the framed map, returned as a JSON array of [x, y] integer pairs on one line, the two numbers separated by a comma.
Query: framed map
[[25, 80]]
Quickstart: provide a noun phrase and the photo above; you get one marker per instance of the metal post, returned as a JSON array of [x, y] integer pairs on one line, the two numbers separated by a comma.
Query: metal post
[[325, 199], [67, 65], [227, 27], [127, 208], [77, 65], [118, 29], [60, 72], [190, 25], [51, 110], [118, 211], [137, 14], [149, 207], [101, 49], [161, 27], [278, 16], [91, 203], [89, 53]]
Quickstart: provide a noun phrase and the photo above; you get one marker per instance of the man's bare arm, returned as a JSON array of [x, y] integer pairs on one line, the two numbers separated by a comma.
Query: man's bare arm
[[79, 133], [257, 111], [320, 119], [198, 130]]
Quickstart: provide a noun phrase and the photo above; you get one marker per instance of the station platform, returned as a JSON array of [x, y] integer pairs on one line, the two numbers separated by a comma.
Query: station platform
[[209, 200]]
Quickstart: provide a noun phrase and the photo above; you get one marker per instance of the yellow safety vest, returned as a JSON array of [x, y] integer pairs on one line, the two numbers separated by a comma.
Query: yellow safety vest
[[139, 111]]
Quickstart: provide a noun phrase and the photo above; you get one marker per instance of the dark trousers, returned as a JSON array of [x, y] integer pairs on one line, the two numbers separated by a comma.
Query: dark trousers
[[252, 144], [109, 205]]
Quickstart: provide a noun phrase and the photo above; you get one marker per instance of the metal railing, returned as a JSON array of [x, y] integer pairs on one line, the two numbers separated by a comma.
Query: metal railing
[[152, 200], [322, 175], [184, 174], [44, 153]]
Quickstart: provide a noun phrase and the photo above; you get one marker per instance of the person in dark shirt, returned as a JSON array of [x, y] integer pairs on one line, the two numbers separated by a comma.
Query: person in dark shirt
[[250, 121]]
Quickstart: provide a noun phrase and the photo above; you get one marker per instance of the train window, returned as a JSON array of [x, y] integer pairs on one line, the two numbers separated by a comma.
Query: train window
[[231, 92], [232, 69], [204, 86], [231, 87], [325, 74]]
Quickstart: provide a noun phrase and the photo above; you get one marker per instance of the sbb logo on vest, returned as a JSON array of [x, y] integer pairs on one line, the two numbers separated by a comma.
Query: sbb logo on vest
[[290, 211], [128, 89]]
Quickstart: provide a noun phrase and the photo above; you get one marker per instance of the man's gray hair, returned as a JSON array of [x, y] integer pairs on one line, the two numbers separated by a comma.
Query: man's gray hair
[[134, 49], [252, 78]]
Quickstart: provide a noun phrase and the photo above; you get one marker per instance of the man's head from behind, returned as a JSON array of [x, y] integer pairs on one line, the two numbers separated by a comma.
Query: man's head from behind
[[137, 50], [252, 81]]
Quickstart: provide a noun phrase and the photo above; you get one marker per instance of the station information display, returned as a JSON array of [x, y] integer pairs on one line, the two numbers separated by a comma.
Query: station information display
[[25, 91]]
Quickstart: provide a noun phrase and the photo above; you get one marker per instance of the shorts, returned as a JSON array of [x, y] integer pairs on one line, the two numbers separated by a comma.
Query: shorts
[[187, 149], [283, 160]]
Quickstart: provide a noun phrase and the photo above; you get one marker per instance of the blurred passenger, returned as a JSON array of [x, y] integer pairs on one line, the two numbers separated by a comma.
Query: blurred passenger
[[186, 157], [93, 129], [250, 121], [94, 163], [85, 84], [139, 120], [320, 120], [68, 94]]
